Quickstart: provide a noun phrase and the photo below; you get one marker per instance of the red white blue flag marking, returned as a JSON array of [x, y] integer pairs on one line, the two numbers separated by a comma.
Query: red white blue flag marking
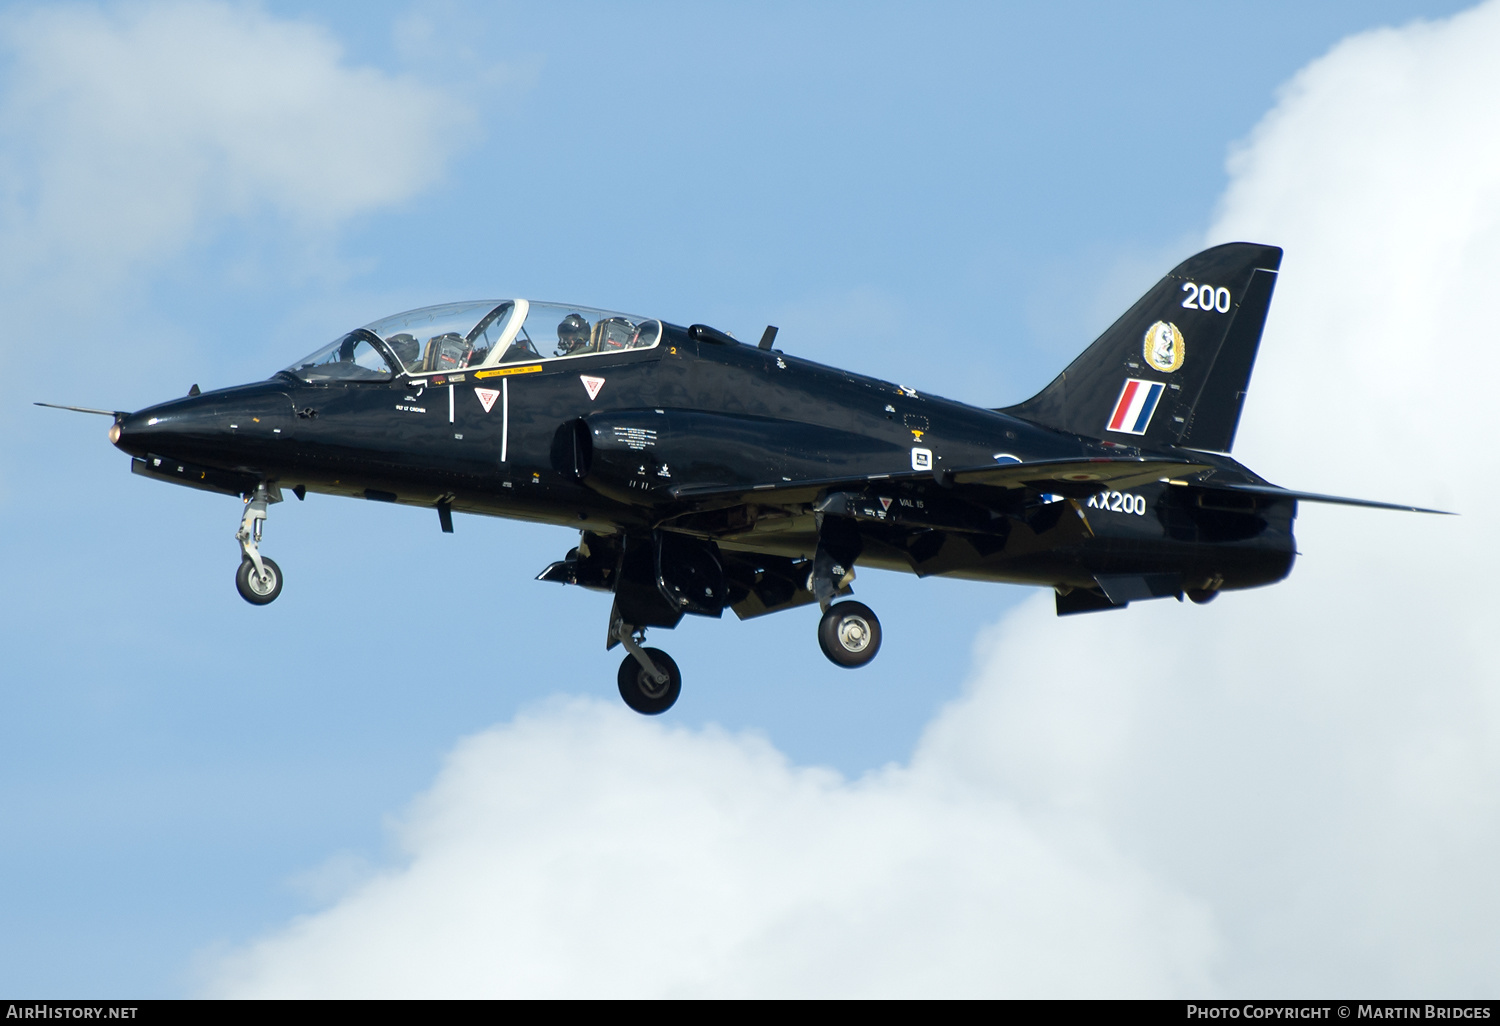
[[1137, 403]]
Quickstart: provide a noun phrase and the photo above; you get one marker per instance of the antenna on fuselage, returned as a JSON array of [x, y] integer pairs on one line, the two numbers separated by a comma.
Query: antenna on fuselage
[[769, 337]]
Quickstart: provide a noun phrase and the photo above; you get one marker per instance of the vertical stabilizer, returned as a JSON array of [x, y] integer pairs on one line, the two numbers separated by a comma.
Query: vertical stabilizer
[[1175, 368]]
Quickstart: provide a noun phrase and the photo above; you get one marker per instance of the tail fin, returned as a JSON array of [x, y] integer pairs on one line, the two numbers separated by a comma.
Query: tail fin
[[1174, 369]]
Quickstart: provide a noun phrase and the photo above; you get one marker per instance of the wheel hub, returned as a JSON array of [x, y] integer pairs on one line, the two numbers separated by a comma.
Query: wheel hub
[[648, 685], [854, 633]]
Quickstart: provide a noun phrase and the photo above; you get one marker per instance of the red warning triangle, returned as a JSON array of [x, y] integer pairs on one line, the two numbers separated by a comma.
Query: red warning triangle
[[885, 503], [591, 385], [487, 397]]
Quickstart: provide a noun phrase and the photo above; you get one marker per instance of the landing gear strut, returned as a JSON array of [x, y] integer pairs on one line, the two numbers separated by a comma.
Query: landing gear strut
[[849, 633], [258, 578], [649, 680]]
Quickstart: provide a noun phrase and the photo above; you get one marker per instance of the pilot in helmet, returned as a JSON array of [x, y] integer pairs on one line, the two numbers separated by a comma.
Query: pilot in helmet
[[407, 349], [572, 335]]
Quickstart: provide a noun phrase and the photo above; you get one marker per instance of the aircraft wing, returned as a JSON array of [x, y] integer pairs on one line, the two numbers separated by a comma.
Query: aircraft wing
[[1040, 475]]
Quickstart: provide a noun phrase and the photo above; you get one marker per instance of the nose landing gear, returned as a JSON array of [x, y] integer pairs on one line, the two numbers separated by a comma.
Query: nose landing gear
[[261, 586], [258, 579]]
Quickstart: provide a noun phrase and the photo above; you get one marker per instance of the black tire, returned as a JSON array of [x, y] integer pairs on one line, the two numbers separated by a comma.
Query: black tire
[[1202, 596], [849, 634], [254, 590], [644, 694]]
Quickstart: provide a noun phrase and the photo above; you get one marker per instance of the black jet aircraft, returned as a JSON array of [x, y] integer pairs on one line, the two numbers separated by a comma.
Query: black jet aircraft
[[703, 474]]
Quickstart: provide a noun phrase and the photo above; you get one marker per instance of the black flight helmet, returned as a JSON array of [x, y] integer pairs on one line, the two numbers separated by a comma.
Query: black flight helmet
[[572, 334], [407, 349]]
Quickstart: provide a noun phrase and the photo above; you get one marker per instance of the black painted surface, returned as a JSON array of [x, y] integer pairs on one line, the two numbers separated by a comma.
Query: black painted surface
[[705, 470], [1203, 397]]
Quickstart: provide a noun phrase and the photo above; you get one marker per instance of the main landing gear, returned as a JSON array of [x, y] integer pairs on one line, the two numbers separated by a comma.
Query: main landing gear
[[258, 578], [848, 633], [649, 680]]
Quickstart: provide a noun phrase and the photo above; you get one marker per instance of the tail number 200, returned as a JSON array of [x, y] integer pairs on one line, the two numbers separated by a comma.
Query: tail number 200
[[1205, 297], [1119, 502]]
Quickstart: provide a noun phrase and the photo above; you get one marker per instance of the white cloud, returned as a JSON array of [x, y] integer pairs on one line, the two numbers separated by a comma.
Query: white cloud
[[584, 851], [1291, 791], [127, 130]]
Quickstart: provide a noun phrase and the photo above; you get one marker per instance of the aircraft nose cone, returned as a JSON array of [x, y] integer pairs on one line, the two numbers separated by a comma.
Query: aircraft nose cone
[[134, 432], [225, 427], [162, 428], [126, 432]]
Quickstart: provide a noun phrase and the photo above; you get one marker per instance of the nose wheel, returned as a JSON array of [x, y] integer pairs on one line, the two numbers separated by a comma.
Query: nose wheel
[[261, 586], [258, 578], [849, 634]]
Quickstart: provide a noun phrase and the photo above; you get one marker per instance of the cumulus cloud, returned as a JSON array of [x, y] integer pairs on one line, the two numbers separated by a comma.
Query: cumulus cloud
[[1291, 791], [125, 130], [583, 851]]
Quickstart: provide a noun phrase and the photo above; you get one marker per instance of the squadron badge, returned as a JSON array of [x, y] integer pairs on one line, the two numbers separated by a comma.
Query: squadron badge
[[1163, 346]]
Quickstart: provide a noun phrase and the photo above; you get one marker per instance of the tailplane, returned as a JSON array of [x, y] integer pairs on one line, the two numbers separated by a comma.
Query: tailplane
[[1174, 369]]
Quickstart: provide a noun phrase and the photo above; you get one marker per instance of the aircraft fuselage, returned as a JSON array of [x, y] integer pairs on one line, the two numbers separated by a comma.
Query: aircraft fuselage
[[703, 474], [711, 417]]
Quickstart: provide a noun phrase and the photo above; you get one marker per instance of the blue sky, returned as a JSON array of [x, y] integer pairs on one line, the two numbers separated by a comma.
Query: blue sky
[[958, 198]]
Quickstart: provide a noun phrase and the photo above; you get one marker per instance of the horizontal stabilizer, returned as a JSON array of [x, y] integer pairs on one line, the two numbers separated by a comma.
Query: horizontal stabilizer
[[1285, 493]]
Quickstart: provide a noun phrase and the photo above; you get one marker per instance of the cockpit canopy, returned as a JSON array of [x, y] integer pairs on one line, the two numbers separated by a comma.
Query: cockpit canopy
[[456, 336]]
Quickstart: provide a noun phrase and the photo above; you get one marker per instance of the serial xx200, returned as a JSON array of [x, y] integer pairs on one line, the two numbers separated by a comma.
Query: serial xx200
[[702, 473]]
